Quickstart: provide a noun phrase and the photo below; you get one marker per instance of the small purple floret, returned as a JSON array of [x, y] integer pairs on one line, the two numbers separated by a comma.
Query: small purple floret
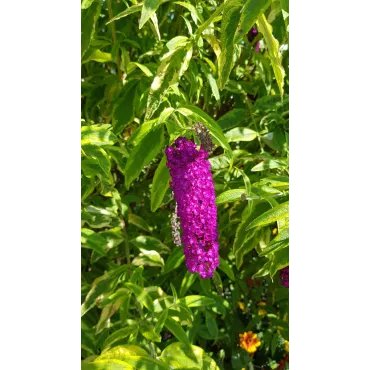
[[284, 276], [192, 184]]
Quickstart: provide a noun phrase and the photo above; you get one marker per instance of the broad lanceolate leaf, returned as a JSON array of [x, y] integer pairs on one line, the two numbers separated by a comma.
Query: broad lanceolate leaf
[[187, 282], [273, 50], [279, 212], [232, 118], [107, 365], [175, 259], [176, 329], [119, 335], [142, 295], [238, 18], [279, 242], [161, 181], [122, 352], [229, 25], [148, 9], [97, 135], [102, 285], [224, 266], [196, 300], [241, 134], [230, 196], [144, 242], [144, 152], [130, 10], [89, 16], [86, 3], [181, 356], [172, 67], [249, 14]]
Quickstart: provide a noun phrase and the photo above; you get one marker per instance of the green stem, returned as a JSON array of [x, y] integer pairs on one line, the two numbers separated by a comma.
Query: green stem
[[114, 39], [255, 125], [127, 246]]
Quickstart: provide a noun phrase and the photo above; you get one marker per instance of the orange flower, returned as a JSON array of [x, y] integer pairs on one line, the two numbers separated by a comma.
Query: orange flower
[[249, 342]]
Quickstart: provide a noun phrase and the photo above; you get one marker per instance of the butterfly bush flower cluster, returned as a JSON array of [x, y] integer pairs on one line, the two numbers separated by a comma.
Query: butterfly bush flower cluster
[[193, 188], [284, 276]]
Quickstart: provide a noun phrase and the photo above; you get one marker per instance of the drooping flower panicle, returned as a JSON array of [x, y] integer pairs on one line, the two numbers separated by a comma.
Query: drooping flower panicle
[[192, 184], [204, 137], [284, 276]]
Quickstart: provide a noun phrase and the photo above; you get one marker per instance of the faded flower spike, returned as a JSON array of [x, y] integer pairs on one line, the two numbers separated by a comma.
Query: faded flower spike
[[284, 276], [204, 137], [192, 184], [175, 226]]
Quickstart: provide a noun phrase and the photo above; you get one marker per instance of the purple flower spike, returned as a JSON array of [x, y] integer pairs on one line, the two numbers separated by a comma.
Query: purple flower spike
[[192, 184], [284, 276]]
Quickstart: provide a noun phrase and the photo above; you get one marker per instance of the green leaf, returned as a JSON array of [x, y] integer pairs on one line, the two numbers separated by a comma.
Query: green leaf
[[161, 181], [141, 295], [91, 240], [196, 16], [122, 352], [143, 153], [240, 134], [146, 363], [175, 260], [147, 330], [210, 20], [172, 67], [215, 131], [107, 365], [224, 267], [273, 50], [107, 312], [281, 241], [229, 25], [249, 14], [230, 196], [232, 118], [138, 222], [161, 320], [176, 329], [148, 258], [98, 56], [132, 66], [100, 157], [128, 11], [89, 16], [279, 212], [187, 282], [176, 42], [274, 342], [211, 324], [196, 301], [119, 335], [144, 242], [181, 356], [267, 164], [97, 135], [103, 284], [238, 18], [214, 87], [123, 108], [86, 4], [148, 9]]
